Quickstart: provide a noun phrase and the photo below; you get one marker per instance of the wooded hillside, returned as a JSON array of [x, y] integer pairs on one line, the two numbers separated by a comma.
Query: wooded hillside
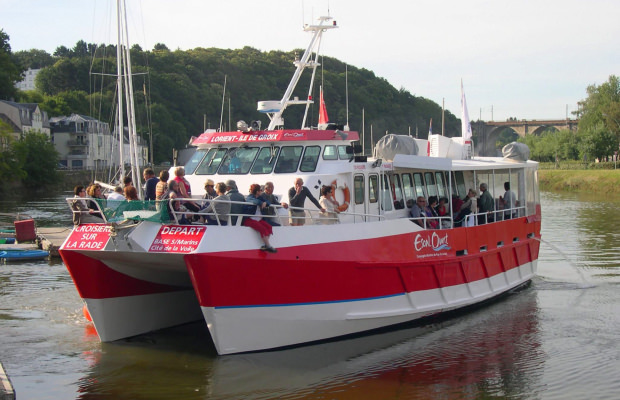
[[184, 86]]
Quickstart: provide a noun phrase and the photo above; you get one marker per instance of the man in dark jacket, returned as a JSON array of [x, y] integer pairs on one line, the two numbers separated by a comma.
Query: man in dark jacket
[[297, 198], [233, 193]]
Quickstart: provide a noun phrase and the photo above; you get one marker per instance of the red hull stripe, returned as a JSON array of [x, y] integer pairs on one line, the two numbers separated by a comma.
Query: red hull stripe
[[343, 271], [94, 280]]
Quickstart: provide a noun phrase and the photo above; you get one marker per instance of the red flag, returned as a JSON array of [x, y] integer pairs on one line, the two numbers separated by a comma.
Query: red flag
[[323, 118]]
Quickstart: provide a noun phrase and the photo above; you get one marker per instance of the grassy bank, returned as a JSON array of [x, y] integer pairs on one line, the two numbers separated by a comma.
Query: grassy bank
[[590, 180]]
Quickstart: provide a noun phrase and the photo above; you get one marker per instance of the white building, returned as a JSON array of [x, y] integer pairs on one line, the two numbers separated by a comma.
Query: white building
[[28, 82], [86, 143]]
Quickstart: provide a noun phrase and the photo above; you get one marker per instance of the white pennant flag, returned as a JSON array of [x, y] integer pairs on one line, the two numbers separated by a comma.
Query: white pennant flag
[[465, 125]]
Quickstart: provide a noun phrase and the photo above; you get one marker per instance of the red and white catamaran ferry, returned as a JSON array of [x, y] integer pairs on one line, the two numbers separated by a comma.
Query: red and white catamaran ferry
[[375, 267]]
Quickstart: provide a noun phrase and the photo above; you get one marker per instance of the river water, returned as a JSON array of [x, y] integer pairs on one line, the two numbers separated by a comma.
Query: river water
[[556, 339]]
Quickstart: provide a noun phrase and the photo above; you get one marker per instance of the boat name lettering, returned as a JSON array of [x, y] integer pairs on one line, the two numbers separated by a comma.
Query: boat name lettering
[[435, 241], [294, 134], [224, 139], [178, 230], [92, 228]]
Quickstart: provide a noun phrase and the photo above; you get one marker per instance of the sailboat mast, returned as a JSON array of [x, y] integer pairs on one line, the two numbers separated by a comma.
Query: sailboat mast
[[119, 86]]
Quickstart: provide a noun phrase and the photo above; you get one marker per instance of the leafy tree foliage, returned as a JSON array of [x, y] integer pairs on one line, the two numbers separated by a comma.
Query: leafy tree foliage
[[10, 71], [38, 160], [184, 88], [602, 106], [10, 167], [597, 142], [33, 58]]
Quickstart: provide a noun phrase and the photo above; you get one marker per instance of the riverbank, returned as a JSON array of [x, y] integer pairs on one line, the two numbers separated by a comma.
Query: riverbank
[[590, 180]]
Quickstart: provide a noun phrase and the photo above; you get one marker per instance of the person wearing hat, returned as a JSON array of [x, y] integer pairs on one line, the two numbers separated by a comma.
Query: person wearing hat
[[209, 190], [233, 193]]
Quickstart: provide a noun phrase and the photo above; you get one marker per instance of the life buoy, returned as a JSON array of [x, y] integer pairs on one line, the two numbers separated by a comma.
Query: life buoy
[[347, 196]]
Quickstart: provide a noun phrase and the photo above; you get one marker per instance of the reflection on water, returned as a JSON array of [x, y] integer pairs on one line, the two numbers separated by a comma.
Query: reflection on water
[[555, 339], [491, 351]]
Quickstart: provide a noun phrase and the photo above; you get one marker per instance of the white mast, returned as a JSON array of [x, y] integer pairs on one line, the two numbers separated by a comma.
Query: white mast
[[275, 109]]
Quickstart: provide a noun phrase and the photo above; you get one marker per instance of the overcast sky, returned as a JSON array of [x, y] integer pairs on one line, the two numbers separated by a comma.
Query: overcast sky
[[529, 59]]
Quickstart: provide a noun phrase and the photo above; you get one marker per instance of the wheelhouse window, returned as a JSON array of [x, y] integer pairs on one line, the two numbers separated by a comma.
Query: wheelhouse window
[[329, 152], [386, 194], [238, 161], [310, 159], [342, 153], [265, 160], [373, 188], [289, 159], [210, 162], [358, 188]]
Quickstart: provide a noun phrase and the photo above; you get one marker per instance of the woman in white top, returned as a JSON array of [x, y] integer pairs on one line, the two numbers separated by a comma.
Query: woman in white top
[[330, 205]]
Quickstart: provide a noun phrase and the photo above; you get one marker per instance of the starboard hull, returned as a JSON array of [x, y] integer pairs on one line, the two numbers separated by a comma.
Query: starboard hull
[[318, 291]]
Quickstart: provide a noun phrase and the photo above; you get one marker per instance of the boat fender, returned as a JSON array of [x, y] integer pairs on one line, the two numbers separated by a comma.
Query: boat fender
[[347, 196]]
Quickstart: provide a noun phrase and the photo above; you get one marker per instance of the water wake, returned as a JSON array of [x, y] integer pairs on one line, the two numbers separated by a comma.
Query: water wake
[[585, 284]]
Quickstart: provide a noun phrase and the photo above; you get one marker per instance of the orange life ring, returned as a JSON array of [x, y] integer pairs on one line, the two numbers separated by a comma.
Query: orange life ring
[[347, 196]]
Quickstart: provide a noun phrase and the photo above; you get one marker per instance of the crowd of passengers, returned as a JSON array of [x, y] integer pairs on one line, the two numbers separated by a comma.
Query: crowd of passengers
[[435, 213], [221, 202]]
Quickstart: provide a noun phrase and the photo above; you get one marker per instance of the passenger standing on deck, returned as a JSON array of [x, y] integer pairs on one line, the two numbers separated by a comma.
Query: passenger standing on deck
[[486, 205], [297, 198], [162, 185], [470, 205], [508, 201], [270, 212], [151, 184], [253, 217], [185, 189], [327, 201], [233, 193]]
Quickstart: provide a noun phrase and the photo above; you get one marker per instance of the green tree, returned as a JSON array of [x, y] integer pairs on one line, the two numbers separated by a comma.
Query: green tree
[[602, 106], [10, 167], [34, 58], [597, 142], [38, 159], [10, 71]]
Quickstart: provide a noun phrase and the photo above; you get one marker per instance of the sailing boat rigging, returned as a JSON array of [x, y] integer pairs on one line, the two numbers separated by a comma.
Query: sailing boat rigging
[[125, 105]]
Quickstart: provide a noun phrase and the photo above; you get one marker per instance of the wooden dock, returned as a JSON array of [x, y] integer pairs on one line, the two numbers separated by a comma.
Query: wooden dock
[[49, 239]]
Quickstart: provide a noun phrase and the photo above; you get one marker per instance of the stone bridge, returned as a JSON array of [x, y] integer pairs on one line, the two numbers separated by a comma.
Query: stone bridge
[[487, 133]]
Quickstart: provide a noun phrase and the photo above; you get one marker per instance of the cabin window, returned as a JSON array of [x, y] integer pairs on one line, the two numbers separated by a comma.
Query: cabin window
[[419, 185], [373, 188], [210, 162], [238, 161], [387, 197], [310, 158], [358, 187], [265, 160], [431, 188], [289, 159], [342, 153], [408, 187], [458, 183], [329, 153], [442, 190], [399, 202]]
